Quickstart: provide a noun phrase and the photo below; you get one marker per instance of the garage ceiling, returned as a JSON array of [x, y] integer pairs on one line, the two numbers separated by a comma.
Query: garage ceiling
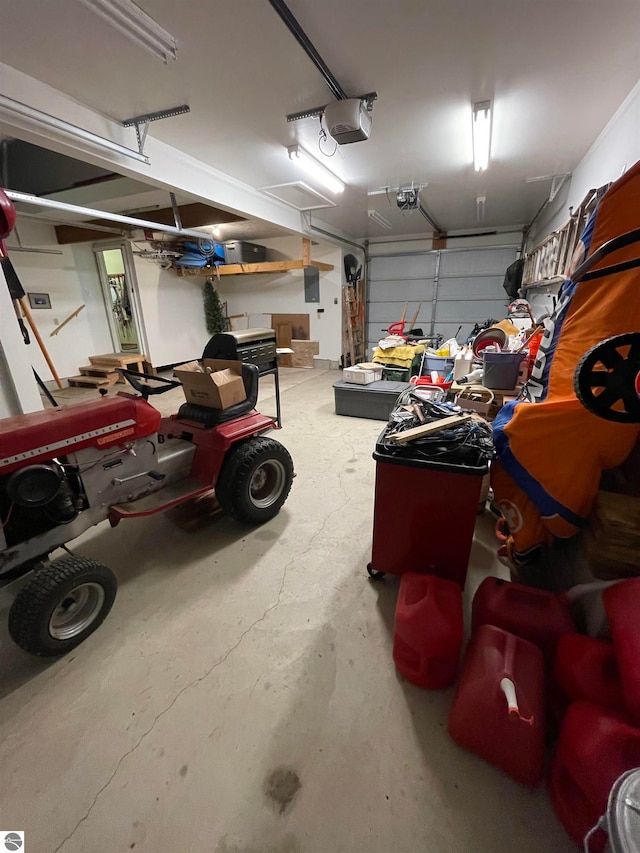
[[556, 72]]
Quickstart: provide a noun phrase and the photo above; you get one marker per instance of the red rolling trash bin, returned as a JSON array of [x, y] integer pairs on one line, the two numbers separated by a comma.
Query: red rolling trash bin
[[424, 515]]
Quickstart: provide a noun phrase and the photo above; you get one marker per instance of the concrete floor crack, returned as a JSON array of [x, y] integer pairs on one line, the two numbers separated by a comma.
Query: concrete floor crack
[[164, 711], [208, 672]]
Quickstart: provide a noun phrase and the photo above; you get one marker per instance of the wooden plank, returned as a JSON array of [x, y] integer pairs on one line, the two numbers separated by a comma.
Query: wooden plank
[[299, 325], [306, 251], [283, 339], [253, 269], [88, 381], [426, 429], [118, 359], [304, 352]]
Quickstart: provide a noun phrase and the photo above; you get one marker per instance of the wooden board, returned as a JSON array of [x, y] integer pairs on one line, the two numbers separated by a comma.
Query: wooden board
[[118, 359], [88, 381], [426, 429], [303, 352], [288, 327], [283, 339], [251, 269], [299, 325]]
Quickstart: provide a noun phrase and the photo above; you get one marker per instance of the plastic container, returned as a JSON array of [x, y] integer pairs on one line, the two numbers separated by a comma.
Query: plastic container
[[499, 708], [463, 363], [375, 400], [596, 746], [428, 630], [586, 669], [421, 531], [500, 369], [622, 820], [442, 364], [622, 604], [534, 614]]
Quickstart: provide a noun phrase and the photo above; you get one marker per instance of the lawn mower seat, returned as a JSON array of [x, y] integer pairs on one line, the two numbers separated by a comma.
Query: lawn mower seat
[[212, 417]]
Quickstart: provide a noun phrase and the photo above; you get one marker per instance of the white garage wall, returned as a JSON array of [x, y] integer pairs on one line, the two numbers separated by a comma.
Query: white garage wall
[[615, 150], [172, 313], [70, 279], [284, 293]]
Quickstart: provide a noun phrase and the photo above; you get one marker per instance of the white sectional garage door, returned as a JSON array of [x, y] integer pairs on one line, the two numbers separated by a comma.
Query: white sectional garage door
[[468, 289]]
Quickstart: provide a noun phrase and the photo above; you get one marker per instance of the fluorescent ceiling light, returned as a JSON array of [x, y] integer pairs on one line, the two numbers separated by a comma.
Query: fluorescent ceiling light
[[136, 25], [31, 117], [379, 219], [312, 167], [481, 134]]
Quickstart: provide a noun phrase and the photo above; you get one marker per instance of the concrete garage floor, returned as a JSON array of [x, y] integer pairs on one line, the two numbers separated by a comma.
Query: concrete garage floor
[[241, 696]]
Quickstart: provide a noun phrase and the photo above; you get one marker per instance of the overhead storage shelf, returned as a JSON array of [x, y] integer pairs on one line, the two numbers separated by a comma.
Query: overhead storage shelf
[[252, 269], [263, 267]]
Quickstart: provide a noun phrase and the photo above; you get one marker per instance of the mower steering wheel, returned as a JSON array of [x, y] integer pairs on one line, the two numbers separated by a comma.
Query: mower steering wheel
[[132, 377]]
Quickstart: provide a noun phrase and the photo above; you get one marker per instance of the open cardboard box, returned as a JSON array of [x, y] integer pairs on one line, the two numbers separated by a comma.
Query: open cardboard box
[[215, 383]]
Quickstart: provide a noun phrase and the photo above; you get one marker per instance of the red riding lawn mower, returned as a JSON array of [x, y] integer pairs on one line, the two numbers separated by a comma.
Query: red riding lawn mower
[[66, 469]]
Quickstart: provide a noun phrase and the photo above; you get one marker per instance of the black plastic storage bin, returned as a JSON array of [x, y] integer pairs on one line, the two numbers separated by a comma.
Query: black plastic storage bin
[[375, 400]]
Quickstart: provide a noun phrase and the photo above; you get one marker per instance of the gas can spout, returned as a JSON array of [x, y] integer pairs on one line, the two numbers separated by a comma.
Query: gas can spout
[[509, 689]]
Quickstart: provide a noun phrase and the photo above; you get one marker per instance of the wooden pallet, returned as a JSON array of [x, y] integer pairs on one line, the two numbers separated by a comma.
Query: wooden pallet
[[101, 372], [88, 381]]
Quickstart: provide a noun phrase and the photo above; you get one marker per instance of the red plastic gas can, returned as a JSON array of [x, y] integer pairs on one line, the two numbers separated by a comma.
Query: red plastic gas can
[[596, 746], [534, 614], [622, 604], [586, 669], [498, 711], [428, 630]]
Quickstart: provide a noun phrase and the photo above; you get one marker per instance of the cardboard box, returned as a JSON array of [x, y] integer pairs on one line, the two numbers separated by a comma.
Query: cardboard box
[[216, 384], [471, 405], [360, 376]]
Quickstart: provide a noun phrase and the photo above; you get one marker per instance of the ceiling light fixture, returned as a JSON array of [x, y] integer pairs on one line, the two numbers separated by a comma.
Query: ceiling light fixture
[[481, 127], [136, 25], [379, 219], [29, 117], [312, 167]]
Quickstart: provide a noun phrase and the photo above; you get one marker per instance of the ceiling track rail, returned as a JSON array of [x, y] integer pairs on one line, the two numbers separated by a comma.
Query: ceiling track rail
[[25, 198], [305, 43]]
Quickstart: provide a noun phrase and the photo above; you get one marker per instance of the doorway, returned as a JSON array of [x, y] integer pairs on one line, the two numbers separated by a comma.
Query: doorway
[[118, 282]]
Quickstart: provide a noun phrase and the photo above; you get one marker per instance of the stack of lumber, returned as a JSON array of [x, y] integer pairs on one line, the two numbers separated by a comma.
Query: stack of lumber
[[101, 370]]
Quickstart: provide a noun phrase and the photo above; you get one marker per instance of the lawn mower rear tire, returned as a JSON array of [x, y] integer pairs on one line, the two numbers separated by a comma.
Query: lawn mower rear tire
[[255, 480], [61, 605]]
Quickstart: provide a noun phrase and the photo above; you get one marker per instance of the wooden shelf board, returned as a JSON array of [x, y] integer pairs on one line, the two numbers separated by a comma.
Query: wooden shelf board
[[252, 269]]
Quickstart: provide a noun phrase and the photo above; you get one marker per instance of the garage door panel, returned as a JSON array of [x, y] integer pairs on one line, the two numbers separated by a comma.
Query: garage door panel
[[402, 267], [448, 330], [476, 310], [416, 290], [485, 287], [476, 262], [392, 312]]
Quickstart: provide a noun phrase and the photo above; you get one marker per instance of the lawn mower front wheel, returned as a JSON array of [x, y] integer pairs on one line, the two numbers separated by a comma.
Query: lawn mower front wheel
[[61, 605], [255, 480]]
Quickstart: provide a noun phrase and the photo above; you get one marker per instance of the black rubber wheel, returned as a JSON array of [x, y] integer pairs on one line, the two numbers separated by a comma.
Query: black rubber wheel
[[610, 369], [375, 576], [255, 480], [61, 605]]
